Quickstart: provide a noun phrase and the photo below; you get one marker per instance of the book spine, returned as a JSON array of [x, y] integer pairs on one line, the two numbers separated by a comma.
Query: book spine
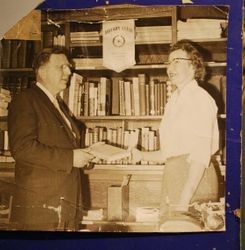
[[147, 99], [121, 97], [6, 140], [127, 97], [91, 97], [47, 39], [6, 58], [132, 99], [115, 104], [22, 55], [86, 99], [142, 82], [15, 47], [136, 96], [152, 97]]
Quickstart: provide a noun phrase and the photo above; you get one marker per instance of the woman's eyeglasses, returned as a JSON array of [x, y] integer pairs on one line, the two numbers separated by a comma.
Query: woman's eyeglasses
[[177, 60]]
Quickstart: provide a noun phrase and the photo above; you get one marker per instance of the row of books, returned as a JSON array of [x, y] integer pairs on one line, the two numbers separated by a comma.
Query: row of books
[[139, 97], [16, 83], [18, 53], [10, 86], [135, 96], [87, 98], [59, 41], [145, 138]]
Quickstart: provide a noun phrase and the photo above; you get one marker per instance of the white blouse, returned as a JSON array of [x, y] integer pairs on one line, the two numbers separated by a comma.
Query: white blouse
[[189, 125]]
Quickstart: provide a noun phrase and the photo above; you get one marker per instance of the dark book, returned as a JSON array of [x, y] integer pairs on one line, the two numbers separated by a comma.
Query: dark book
[[1, 140], [47, 39], [15, 47], [29, 53], [6, 55], [21, 56], [115, 107]]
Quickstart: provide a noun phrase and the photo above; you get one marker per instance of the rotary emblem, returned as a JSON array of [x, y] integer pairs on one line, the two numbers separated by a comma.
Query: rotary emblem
[[118, 41]]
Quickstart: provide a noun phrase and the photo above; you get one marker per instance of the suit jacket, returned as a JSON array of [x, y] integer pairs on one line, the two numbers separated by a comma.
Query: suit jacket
[[42, 144]]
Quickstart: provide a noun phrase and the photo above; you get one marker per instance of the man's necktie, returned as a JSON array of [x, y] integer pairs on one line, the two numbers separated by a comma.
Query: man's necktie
[[59, 105]]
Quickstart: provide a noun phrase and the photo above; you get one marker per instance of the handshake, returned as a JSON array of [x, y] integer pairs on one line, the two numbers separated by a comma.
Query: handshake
[[102, 151]]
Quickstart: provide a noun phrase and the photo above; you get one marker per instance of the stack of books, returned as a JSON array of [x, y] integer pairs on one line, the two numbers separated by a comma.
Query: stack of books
[[199, 29], [153, 34], [5, 98], [84, 38]]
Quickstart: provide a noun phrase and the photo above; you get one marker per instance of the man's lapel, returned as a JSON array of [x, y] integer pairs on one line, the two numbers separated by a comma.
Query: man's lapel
[[54, 110]]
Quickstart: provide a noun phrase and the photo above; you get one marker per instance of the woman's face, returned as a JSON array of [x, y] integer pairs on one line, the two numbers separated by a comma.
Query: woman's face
[[180, 69]]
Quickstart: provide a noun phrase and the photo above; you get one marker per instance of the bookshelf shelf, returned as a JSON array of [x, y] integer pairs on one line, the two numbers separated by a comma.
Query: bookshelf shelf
[[148, 66], [26, 70], [106, 13], [165, 42], [133, 118], [216, 64], [210, 40], [126, 169], [159, 42], [148, 117]]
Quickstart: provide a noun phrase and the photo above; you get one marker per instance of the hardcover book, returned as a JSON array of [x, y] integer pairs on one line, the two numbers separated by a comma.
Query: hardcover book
[[108, 152]]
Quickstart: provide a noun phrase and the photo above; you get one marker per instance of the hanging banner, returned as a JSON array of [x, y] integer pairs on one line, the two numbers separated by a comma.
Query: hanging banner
[[118, 44]]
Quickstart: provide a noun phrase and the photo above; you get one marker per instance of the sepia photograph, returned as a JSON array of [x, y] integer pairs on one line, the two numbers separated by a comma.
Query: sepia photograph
[[113, 119]]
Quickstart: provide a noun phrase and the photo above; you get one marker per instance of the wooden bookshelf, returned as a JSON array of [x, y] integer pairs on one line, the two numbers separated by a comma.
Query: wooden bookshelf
[[144, 178], [155, 18]]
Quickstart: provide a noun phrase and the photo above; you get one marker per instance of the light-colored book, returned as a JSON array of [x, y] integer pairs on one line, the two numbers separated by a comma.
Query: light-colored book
[[108, 152]]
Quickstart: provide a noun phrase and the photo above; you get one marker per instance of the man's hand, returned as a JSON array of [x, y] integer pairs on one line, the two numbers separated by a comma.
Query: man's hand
[[81, 158]]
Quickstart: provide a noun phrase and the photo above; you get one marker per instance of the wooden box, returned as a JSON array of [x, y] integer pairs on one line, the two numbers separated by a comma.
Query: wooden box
[[117, 202]]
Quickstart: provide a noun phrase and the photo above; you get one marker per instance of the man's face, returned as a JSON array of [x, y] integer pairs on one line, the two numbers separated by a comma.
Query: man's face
[[56, 73], [180, 69]]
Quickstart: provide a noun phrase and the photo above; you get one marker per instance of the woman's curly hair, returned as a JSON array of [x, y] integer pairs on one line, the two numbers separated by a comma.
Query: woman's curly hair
[[194, 55]]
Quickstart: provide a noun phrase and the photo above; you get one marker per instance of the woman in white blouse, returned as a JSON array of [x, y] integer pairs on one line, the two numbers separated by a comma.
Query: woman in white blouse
[[188, 134]]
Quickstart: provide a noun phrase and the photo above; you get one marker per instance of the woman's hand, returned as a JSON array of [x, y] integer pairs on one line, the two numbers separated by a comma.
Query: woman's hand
[[136, 155]]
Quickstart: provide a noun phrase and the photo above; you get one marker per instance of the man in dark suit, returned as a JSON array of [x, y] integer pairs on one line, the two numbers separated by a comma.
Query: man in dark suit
[[45, 142]]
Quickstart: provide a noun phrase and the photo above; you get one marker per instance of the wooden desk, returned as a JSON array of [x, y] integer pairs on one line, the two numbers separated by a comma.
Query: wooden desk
[[144, 185], [119, 226]]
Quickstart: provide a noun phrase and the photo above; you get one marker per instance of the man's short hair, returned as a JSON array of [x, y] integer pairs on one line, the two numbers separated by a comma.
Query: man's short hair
[[44, 56]]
